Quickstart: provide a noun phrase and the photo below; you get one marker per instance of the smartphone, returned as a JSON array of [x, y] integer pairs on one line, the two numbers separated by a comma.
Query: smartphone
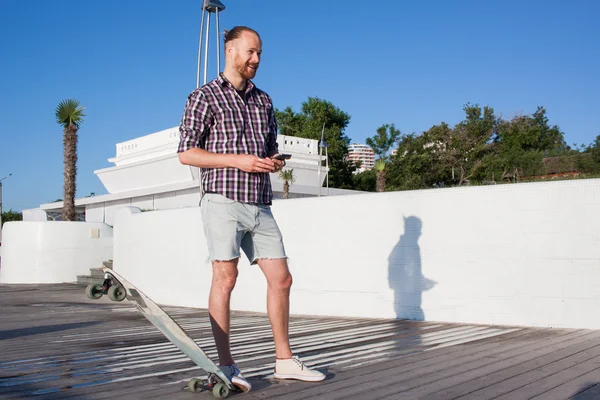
[[283, 156]]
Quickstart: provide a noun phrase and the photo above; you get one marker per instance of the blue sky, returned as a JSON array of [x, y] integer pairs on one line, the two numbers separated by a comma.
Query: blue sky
[[412, 63]]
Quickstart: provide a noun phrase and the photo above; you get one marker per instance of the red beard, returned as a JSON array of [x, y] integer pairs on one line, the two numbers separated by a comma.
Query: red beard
[[245, 71]]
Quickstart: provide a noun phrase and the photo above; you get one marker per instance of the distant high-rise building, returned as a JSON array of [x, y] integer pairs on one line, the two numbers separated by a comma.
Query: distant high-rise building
[[364, 154]]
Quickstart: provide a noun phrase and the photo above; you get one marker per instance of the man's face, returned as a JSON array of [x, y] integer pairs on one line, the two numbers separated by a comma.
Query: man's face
[[247, 50]]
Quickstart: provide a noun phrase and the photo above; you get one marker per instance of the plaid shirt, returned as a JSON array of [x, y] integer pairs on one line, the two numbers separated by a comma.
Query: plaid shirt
[[217, 119]]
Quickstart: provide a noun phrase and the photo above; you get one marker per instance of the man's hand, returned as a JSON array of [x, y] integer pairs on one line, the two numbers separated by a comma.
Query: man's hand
[[279, 164], [252, 163]]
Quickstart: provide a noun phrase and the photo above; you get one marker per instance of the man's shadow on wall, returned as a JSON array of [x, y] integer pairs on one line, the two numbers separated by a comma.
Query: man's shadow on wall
[[405, 274]]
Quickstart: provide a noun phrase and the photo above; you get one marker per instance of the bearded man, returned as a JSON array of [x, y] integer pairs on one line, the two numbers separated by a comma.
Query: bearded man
[[229, 131]]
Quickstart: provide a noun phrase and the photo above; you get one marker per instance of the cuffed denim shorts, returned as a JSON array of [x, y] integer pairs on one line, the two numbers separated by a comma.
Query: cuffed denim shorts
[[230, 225]]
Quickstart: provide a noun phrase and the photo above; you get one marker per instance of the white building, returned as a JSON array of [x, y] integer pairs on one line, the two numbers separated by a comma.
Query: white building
[[363, 153], [147, 174]]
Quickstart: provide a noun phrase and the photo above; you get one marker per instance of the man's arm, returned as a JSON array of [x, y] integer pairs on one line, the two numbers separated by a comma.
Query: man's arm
[[198, 157], [271, 142]]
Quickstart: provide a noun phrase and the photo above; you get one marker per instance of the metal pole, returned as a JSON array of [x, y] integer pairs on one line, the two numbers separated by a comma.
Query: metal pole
[[200, 48], [327, 168], [218, 42], [319, 173], [206, 48]]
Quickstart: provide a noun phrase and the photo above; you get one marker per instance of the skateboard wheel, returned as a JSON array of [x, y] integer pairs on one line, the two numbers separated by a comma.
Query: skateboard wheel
[[195, 385], [93, 291], [116, 293], [220, 391]]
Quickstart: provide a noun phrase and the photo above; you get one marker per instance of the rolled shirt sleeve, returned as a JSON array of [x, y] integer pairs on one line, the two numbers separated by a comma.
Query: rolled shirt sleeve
[[195, 122]]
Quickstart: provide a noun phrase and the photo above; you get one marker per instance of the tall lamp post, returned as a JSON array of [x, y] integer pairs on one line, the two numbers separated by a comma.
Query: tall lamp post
[[209, 6], [1, 205]]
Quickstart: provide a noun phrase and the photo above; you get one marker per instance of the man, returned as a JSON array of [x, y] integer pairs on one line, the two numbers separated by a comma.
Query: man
[[228, 129]]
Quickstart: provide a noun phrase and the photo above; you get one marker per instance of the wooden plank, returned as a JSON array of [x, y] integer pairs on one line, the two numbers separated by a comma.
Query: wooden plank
[[589, 391], [577, 385], [525, 375], [405, 368], [53, 338], [425, 381], [566, 371]]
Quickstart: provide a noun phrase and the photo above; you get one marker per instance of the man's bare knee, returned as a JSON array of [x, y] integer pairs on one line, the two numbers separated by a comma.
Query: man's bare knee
[[286, 282], [225, 275], [281, 281]]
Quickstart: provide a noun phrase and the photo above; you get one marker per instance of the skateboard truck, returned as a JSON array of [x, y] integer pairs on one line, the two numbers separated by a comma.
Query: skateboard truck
[[106, 284], [115, 292], [213, 383]]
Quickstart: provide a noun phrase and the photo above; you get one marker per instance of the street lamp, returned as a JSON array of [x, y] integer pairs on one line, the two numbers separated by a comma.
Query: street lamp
[[209, 6], [1, 205]]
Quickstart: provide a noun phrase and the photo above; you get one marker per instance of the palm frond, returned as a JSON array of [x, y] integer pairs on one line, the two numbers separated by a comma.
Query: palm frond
[[380, 164], [69, 112], [287, 175]]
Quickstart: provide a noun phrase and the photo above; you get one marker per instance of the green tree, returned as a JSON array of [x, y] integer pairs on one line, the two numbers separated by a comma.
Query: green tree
[[69, 114], [484, 149], [594, 149], [416, 165], [549, 139], [387, 136], [308, 123], [588, 158], [523, 143], [365, 181], [463, 147], [11, 215], [287, 176]]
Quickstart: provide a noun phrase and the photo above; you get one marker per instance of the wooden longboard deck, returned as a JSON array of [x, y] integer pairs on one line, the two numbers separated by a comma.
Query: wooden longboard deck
[[172, 331]]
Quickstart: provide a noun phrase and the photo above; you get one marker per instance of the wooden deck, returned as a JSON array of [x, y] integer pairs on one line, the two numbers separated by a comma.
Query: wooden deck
[[57, 344]]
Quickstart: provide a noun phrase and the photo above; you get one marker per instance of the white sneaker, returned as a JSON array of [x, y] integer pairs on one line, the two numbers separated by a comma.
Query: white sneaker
[[293, 368], [235, 376]]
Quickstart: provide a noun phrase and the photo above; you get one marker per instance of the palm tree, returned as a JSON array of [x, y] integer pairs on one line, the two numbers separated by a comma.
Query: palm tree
[[287, 176], [380, 168], [69, 114]]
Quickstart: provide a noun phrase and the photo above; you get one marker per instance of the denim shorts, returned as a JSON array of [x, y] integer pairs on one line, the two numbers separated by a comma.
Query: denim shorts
[[230, 225]]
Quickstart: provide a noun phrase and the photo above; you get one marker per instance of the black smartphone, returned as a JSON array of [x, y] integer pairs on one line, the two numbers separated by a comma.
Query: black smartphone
[[283, 156]]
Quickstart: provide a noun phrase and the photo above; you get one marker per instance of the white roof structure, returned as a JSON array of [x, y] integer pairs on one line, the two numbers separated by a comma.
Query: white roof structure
[[147, 174]]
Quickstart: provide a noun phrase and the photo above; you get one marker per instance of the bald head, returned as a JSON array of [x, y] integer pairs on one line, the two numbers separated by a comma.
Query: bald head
[[236, 33]]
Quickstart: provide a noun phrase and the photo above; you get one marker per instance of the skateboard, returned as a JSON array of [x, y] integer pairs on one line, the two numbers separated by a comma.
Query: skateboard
[[118, 288]]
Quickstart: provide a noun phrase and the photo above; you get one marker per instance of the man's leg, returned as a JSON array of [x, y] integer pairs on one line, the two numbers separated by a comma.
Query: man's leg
[[223, 221], [279, 281], [269, 252], [223, 281]]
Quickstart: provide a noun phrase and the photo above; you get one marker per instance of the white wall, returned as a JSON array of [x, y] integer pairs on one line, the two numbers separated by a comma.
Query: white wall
[[94, 212], [52, 252], [144, 174], [34, 214], [105, 211], [525, 254]]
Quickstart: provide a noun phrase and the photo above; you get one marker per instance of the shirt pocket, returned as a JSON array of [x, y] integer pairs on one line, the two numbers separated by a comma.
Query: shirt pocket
[[260, 112]]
